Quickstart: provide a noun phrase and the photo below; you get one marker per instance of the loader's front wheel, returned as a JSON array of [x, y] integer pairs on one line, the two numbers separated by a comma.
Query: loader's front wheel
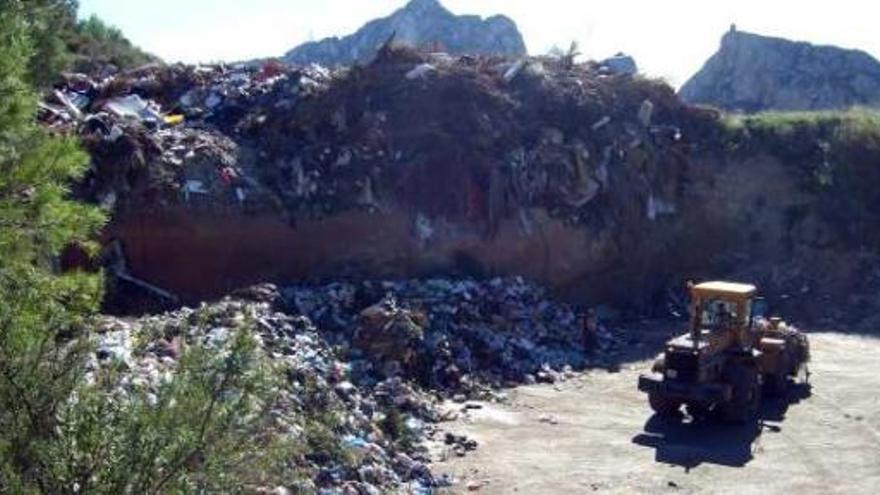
[[746, 401], [699, 411], [662, 405]]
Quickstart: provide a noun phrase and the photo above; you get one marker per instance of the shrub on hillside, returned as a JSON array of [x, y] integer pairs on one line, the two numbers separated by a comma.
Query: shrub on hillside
[[66, 425]]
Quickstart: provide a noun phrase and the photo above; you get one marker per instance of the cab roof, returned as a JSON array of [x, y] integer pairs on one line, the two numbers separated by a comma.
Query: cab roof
[[719, 287]]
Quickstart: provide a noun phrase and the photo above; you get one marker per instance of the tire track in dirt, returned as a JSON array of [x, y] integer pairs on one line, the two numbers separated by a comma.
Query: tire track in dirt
[[817, 468]]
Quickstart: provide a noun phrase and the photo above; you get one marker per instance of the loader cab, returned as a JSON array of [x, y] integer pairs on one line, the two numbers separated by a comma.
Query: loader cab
[[721, 315]]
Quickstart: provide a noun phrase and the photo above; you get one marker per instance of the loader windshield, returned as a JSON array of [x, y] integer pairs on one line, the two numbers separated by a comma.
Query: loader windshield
[[717, 314]]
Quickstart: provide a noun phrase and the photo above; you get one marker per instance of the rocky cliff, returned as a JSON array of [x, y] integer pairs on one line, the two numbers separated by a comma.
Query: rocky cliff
[[751, 73], [419, 23]]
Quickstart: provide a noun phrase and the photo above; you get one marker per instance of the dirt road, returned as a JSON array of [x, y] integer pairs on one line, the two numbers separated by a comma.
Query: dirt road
[[596, 433]]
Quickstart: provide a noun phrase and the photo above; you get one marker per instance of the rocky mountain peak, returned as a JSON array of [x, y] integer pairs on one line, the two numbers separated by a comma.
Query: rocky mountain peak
[[418, 23], [425, 6], [751, 73]]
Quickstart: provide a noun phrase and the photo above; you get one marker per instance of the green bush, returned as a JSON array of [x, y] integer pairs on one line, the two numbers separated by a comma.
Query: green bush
[[65, 425], [60, 42], [95, 44], [824, 146], [206, 429], [50, 24], [858, 127]]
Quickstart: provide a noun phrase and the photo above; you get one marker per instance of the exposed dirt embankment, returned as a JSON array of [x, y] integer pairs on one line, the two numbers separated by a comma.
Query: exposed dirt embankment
[[202, 255], [748, 219]]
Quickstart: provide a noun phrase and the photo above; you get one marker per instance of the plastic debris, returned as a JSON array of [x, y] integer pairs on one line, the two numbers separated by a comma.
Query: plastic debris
[[174, 119], [514, 70], [134, 107], [421, 71]]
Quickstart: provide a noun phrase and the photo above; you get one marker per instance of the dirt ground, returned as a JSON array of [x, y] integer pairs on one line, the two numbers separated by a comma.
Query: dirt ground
[[596, 433]]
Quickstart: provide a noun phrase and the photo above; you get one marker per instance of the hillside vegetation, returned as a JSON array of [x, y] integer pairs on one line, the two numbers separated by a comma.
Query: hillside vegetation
[[67, 426], [62, 42], [836, 153]]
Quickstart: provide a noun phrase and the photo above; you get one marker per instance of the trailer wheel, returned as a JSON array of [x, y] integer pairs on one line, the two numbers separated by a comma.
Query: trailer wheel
[[775, 384], [743, 406], [662, 405]]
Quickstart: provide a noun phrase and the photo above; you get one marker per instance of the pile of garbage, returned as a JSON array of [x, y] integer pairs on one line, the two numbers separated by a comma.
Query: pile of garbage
[[376, 358], [462, 338], [459, 137], [374, 433], [162, 135], [480, 139]]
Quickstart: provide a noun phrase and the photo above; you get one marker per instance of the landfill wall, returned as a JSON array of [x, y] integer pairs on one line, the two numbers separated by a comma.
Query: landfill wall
[[748, 219], [593, 180], [729, 214], [203, 255]]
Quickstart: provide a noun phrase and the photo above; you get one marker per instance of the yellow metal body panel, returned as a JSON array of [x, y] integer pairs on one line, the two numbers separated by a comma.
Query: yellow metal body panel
[[723, 290]]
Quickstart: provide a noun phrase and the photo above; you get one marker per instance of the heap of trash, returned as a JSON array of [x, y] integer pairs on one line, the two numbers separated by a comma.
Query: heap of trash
[[381, 356], [479, 139], [373, 435], [157, 136], [459, 137], [461, 337]]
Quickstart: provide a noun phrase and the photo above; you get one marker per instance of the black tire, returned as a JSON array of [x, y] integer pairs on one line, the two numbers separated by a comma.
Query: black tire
[[664, 406], [698, 410], [775, 384], [746, 400], [659, 365]]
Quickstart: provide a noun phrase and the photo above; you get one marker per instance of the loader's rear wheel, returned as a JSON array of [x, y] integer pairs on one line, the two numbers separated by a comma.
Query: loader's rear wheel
[[775, 384], [662, 405], [659, 365], [746, 400]]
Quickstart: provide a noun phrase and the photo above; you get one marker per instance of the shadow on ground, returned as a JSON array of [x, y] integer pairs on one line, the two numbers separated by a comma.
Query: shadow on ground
[[685, 442]]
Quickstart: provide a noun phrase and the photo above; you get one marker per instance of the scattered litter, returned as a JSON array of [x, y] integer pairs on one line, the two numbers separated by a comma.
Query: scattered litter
[[657, 207], [174, 119], [546, 418], [378, 463], [421, 71], [646, 112], [461, 337], [134, 107], [514, 70], [620, 64], [601, 123], [75, 110]]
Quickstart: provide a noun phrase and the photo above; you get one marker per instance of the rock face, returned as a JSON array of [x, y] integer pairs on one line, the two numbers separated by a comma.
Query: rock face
[[750, 73], [419, 23]]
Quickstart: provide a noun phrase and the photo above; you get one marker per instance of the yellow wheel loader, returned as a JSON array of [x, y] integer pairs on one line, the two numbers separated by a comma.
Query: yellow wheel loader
[[730, 356]]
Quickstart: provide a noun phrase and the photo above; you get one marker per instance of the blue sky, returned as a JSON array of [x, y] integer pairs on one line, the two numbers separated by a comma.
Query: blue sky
[[669, 38]]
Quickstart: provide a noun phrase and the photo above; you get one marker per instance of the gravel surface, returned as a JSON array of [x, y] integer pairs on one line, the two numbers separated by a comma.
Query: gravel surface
[[596, 433]]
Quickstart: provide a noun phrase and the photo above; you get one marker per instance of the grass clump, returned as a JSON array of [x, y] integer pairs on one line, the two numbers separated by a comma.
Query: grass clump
[[825, 146]]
